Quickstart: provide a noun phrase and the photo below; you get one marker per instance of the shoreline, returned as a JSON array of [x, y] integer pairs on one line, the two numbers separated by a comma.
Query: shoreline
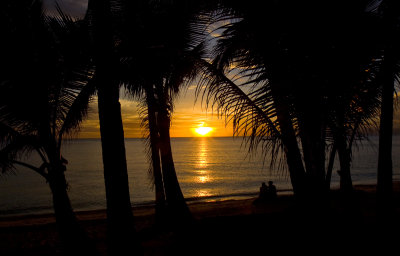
[[223, 226], [146, 204], [201, 206]]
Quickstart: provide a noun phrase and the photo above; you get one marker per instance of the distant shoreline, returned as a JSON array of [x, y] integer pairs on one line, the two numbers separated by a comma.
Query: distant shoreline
[[196, 137]]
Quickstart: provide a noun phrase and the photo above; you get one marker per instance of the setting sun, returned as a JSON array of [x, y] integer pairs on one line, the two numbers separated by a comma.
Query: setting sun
[[203, 130]]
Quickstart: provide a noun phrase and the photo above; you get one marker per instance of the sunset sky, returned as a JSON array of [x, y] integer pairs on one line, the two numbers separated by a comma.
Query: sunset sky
[[187, 116]]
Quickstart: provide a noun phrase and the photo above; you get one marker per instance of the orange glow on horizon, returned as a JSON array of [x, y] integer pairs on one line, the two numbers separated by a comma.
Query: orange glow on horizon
[[185, 120]]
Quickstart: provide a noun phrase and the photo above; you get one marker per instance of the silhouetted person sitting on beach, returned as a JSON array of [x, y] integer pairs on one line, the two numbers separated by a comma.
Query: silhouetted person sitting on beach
[[263, 192], [271, 190]]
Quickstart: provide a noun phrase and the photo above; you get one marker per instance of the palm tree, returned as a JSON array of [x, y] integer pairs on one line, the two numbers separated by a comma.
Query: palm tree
[[390, 74], [294, 76], [47, 103], [103, 16], [155, 166], [243, 44], [159, 64]]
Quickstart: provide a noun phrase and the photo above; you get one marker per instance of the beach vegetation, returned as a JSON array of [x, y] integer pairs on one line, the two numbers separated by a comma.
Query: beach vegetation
[[300, 82], [44, 96]]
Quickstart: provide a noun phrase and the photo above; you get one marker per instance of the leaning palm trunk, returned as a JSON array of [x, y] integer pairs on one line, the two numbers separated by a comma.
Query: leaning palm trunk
[[329, 169], [52, 97], [295, 164], [346, 184], [155, 156], [344, 153], [72, 235], [288, 137], [177, 206]]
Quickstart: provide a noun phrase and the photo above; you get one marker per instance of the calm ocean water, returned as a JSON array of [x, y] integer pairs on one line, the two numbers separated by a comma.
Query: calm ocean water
[[207, 169]]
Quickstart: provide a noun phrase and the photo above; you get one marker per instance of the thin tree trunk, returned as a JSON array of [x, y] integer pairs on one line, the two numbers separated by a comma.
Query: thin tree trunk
[[330, 167], [385, 165], [73, 237], [155, 157], [293, 155], [289, 140], [177, 206], [346, 184]]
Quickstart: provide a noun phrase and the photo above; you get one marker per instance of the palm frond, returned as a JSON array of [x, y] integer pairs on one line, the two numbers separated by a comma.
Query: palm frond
[[17, 146], [77, 110], [37, 108], [249, 117]]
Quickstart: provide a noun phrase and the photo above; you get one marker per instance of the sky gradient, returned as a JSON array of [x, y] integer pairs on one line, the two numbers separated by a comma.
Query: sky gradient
[[187, 116]]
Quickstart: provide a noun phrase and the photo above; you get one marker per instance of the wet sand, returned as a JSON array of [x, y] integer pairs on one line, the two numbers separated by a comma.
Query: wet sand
[[237, 227]]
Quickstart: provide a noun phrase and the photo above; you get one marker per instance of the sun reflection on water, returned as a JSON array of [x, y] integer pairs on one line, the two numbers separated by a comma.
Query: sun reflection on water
[[202, 155], [203, 193], [203, 179], [202, 163]]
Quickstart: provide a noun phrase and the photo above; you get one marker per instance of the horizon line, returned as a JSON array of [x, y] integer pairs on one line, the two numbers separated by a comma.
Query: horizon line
[[231, 136]]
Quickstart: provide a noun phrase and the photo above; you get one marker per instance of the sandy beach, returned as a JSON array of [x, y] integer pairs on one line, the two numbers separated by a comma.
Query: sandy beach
[[229, 226]]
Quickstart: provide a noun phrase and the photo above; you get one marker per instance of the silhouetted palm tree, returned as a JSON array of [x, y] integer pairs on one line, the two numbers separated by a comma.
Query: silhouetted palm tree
[[155, 166], [250, 42], [159, 64], [293, 72], [104, 17], [389, 13], [44, 95]]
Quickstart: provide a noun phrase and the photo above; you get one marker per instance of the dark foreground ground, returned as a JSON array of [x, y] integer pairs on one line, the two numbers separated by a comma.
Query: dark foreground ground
[[235, 227]]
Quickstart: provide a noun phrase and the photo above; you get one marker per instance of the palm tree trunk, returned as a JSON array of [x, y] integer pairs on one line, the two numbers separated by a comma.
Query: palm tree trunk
[[313, 145], [177, 206], [346, 184], [121, 233], [289, 140], [293, 155], [330, 167], [119, 210], [385, 165], [155, 156], [74, 238]]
